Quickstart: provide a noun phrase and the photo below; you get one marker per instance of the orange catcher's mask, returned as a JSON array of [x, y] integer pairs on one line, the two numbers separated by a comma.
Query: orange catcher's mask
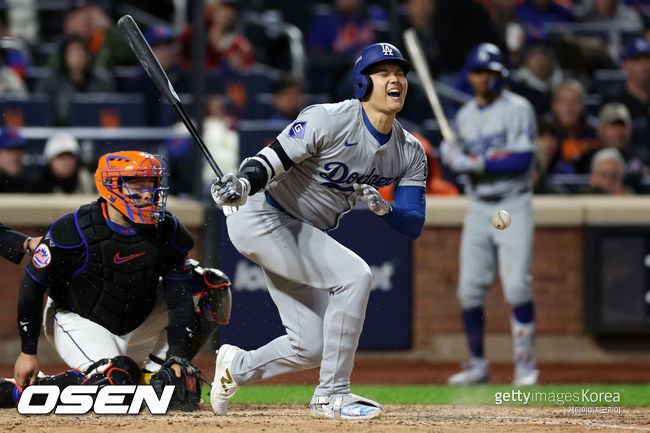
[[142, 205]]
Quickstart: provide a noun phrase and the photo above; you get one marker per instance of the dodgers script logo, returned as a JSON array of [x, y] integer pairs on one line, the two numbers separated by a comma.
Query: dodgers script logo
[[386, 50], [297, 130], [339, 176], [42, 256]]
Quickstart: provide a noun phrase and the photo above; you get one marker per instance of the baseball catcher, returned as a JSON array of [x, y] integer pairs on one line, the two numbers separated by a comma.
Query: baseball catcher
[[119, 282]]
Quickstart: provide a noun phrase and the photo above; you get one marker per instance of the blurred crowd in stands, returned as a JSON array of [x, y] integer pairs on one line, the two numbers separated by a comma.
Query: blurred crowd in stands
[[583, 64]]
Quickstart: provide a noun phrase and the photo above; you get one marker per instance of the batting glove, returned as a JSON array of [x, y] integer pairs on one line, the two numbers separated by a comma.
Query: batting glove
[[459, 162], [230, 190], [371, 197]]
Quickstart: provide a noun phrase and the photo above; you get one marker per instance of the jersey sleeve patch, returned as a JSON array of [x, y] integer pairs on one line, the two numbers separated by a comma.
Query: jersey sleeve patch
[[42, 256], [297, 130]]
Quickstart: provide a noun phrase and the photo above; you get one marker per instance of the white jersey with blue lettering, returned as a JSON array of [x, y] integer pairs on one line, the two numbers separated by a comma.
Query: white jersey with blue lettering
[[507, 125], [332, 149]]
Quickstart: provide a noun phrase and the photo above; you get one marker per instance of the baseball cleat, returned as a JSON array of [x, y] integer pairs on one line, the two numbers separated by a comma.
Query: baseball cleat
[[525, 374], [224, 386], [473, 372], [344, 406]]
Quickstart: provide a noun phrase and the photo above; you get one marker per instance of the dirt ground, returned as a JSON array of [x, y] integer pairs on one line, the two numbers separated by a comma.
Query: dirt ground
[[290, 419]]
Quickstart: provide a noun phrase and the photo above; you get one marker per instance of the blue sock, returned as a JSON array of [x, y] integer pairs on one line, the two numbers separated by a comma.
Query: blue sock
[[524, 313], [474, 321]]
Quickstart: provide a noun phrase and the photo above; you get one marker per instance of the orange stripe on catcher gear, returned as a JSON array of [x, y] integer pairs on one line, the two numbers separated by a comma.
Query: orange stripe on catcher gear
[[119, 179]]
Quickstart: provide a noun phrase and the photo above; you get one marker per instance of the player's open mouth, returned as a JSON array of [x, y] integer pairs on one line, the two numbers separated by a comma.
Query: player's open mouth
[[394, 94]]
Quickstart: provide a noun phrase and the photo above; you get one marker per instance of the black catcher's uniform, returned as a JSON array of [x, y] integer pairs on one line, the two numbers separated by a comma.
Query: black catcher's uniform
[[109, 277]]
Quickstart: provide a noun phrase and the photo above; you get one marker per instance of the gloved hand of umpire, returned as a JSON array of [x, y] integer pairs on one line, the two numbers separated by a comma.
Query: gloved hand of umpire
[[458, 161], [371, 197], [230, 190]]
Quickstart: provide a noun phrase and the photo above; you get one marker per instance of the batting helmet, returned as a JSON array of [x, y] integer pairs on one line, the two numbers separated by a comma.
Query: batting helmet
[[115, 169], [370, 56], [488, 56]]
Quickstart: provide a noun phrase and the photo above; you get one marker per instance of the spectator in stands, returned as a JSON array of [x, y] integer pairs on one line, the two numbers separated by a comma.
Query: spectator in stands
[[76, 74], [14, 177], [548, 145], [460, 25], [615, 131], [614, 14], [420, 17], [226, 47], [105, 42], [65, 172], [336, 37], [635, 94], [288, 98], [537, 77], [10, 82], [162, 40], [606, 175], [221, 138], [534, 14], [577, 130]]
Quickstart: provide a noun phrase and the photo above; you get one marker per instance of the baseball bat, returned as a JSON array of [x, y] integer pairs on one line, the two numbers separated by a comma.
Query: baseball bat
[[149, 62], [422, 69]]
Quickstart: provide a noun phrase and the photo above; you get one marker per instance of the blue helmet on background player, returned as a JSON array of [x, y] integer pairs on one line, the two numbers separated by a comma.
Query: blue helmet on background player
[[370, 56], [488, 56]]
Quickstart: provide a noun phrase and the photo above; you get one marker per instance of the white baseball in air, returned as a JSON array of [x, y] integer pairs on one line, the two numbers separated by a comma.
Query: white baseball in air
[[501, 219]]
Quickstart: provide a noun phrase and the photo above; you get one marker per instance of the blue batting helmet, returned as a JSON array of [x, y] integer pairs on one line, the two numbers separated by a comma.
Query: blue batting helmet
[[370, 56], [488, 56]]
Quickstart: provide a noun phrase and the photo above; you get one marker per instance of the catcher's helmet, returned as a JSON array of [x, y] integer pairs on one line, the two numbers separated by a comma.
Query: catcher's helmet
[[370, 56], [488, 56], [115, 169]]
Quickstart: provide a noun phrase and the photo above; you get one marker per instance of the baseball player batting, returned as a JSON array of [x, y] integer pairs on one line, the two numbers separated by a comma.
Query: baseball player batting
[[288, 196], [100, 267], [496, 141]]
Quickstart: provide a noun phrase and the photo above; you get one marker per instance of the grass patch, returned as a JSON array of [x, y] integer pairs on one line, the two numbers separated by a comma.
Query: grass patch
[[540, 395]]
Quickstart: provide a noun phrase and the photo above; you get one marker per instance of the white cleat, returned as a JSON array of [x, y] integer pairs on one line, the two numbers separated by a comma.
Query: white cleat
[[344, 406], [224, 386], [525, 374], [475, 371]]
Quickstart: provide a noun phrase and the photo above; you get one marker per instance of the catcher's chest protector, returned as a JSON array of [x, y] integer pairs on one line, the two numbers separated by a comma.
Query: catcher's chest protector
[[117, 275]]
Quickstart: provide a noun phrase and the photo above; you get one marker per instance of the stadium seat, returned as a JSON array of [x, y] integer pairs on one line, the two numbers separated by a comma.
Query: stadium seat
[[254, 135], [31, 110], [108, 110]]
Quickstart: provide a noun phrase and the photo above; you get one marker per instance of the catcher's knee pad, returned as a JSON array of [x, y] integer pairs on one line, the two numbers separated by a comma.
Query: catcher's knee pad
[[212, 304], [120, 370]]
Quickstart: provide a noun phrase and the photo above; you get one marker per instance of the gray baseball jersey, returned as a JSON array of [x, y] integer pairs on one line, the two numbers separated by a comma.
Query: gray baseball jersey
[[320, 287], [505, 126], [333, 150]]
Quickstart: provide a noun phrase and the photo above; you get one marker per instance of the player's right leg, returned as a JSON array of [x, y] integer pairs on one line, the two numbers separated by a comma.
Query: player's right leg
[[80, 342], [477, 268], [320, 288]]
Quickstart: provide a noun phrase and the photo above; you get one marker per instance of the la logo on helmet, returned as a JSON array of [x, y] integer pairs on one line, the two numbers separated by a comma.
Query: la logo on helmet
[[386, 50]]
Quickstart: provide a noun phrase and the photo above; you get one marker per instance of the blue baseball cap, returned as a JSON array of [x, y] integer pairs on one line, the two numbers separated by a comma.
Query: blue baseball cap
[[635, 48], [10, 138], [158, 34]]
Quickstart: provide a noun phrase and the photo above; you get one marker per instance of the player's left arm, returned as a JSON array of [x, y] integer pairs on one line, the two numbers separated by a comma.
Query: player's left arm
[[407, 215], [520, 147], [177, 282]]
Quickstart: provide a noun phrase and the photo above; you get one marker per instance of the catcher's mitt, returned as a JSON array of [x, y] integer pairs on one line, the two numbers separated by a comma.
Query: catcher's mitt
[[187, 391]]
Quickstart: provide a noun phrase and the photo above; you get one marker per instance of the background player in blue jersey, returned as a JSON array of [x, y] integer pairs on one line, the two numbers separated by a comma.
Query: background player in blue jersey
[[496, 141], [289, 195]]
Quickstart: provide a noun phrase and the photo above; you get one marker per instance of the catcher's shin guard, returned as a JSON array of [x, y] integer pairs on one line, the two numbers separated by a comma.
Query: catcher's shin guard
[[120, 370]]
